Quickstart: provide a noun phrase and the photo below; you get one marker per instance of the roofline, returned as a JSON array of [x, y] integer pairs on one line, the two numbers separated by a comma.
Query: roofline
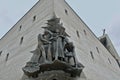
[[19, 20], [81, 20], [86, 25], [34, 6]]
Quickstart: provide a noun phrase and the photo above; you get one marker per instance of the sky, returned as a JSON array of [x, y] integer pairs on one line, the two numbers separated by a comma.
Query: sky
[[97, 14]]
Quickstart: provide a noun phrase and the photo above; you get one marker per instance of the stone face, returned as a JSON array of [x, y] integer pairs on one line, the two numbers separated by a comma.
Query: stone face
[[98, 68]]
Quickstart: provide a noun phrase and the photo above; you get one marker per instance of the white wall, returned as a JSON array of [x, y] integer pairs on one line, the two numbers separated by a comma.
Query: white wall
[[97, 69], [10, 43]]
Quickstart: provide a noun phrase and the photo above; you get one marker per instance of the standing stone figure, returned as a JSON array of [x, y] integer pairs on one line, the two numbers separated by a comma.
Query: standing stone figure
[[58, 46], [69, 52], [45, 39], [43, 49], [58, 39]]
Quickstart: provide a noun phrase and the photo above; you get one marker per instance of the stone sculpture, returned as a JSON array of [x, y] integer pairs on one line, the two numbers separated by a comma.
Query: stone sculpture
[[69, 52], [53, 52]]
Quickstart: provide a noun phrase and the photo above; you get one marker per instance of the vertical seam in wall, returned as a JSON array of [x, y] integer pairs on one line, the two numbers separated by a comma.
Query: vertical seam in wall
[[53, 8]]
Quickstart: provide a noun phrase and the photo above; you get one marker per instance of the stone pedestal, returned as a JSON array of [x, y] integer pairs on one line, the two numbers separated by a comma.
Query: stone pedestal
[[52, 75]]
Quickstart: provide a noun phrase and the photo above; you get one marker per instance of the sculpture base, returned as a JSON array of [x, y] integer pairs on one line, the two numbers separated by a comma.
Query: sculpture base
[[51, 75], [33, 69], [60, 65]]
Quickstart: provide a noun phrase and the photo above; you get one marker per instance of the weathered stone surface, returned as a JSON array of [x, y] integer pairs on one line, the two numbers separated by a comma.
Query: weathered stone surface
[[53, 42], [53, 75], [97, 69]]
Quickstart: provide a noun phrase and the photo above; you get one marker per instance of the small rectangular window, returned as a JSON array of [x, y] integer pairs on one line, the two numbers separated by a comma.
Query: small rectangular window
[[34, 18], [109, 60], [77, 33], [66, 11], [97, 50], [91, 54], [20, 27], [0, 53], [7, 57], [21, 41], [85, 32]]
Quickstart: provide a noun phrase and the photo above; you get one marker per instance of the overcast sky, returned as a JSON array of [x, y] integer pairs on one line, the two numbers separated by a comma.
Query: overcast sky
[[97, 14]]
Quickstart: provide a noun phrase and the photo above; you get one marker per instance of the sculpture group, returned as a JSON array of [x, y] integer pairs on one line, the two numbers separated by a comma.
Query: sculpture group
[[53, 52], [54, 44]]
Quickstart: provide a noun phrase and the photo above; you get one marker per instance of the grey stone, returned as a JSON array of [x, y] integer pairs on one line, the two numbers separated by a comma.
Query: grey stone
[[51, 53]]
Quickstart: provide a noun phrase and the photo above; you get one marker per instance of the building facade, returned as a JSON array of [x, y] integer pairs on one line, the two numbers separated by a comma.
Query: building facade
[[97, 56]]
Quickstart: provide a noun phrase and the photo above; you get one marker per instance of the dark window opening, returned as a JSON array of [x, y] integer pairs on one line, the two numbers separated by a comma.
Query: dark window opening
[[21, 41], [20, 28], [77, 33], [97, 50], [109, 60], [91, 54], [118, 63], [85, 32], [54, 79], [7, 57], [66, 11], [34, 18], [0, 53]]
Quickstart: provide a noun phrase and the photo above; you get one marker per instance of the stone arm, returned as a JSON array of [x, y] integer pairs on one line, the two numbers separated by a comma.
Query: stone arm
[[45, 41]]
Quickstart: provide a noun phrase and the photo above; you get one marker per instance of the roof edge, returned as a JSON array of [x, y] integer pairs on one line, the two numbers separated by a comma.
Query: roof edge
[[19, 20]]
